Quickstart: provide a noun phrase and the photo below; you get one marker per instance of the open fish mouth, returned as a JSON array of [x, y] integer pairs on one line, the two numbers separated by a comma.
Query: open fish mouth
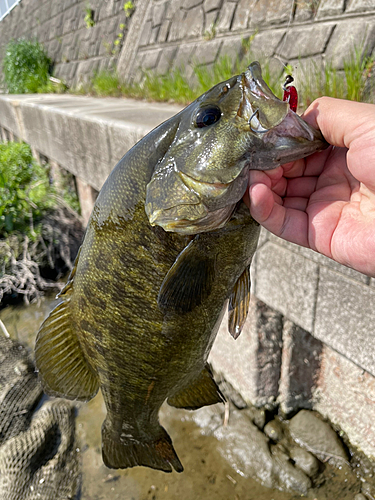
[[275, 124], [259, 107]]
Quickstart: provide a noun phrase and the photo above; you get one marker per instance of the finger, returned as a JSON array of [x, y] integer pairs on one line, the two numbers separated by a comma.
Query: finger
[[312, 165], [302, 186], [287, 223], [268, 177], [340, 121], [261, 202], [295, 202]]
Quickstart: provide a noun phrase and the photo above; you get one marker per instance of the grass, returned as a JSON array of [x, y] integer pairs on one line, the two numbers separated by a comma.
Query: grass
[[350, 83], [175, 86], [313, 82], [25, 66]]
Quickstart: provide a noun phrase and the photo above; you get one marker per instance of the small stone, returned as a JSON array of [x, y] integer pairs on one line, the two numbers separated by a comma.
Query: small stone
[[257, 416], [274, 430], [304, 460], [317, 436], [368, 490], [359, 496]]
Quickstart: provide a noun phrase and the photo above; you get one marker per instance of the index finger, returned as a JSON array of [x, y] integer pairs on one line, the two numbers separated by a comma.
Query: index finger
[[340, 121]]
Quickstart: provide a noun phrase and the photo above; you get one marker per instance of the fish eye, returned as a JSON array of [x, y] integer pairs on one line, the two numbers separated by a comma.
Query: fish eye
[[207, 116]]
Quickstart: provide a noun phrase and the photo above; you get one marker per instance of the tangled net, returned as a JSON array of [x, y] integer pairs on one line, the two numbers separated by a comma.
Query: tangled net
[[38, 451]]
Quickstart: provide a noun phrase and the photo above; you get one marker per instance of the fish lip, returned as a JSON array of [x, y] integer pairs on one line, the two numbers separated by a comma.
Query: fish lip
[[294, 127]]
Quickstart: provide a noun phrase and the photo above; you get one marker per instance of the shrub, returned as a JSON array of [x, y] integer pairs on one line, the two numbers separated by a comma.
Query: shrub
[[25, 66], [24, 189]]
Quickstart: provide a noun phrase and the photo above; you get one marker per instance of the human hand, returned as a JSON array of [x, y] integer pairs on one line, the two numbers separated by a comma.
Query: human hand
[[326, 201]]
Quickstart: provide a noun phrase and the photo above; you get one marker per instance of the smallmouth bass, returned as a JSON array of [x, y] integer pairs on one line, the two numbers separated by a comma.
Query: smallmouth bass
[[169, 242]]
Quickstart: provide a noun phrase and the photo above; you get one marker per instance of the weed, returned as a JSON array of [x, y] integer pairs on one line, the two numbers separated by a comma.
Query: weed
[[129, 8], [24, 186], [349, 84], [25, 66], [210, 33], [89, 17], [106, 83]]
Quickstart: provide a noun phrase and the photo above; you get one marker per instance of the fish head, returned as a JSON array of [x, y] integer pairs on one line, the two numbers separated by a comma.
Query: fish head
[[237, 125]]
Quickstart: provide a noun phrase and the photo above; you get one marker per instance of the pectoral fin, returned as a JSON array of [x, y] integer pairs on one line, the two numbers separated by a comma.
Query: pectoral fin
[[238, 306], [189, 280], [202, 391], [62, 367]]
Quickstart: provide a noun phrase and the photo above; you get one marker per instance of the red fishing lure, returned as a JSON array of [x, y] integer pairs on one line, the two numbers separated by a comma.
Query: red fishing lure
[[290, 93]]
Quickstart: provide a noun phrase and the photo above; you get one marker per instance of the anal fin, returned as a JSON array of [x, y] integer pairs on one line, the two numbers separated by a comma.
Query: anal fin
[[202, 391], [238, 306], [62, 367]]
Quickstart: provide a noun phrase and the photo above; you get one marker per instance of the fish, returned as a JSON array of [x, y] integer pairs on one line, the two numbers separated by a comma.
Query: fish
[[167, 248]]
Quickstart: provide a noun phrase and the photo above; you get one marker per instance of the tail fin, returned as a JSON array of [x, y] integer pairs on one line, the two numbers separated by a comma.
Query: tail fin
[[157, 452]]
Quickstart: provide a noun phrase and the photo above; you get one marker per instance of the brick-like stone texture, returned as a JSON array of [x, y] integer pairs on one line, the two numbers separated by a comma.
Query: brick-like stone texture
[[348, 36], [252, 362], [61, 28], [330, 8], [297, 41], [345, 394], [360, 6], [344, 319], [287, 282], [300, 368]]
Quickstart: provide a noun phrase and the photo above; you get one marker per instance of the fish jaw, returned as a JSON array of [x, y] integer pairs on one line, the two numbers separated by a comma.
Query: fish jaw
[[284, 136], [290, 140]]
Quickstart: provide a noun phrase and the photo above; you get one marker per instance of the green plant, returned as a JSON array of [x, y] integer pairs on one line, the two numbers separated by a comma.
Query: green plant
[[210, 32], [129, 8], [24, 190], [106, 83], [25, 66], [89, 17], [349, 84]]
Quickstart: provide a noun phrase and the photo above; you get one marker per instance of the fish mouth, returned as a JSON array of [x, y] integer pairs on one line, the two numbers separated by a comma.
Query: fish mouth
[[280, 129], [259, 107]]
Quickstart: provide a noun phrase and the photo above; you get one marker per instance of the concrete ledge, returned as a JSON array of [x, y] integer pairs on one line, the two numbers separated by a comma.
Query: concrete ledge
[[85, 135]]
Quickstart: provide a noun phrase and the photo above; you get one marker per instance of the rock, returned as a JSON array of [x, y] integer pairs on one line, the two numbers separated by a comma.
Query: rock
[[274, 430], [318, 437], [368, 490], [293, 479], [304, 460], [257, 416], [360, 497], [230, 393], [247, 450]]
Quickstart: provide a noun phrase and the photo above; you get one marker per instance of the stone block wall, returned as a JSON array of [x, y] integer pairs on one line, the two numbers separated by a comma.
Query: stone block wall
[[76, 50], [180, 33]]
